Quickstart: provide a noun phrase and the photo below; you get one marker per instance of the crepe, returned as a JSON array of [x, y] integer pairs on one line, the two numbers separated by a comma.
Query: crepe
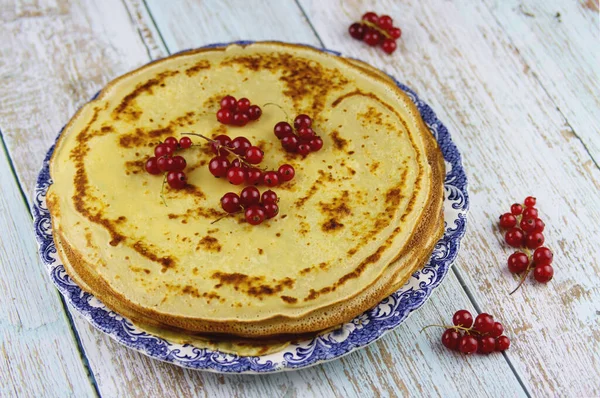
[[359, 217]]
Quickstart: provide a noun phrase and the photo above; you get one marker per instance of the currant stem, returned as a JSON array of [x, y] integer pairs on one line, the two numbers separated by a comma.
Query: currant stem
[[377, 28], [162, 191], [226, 215], [283, 110], [527, 271], [457, 328], [219, 146]]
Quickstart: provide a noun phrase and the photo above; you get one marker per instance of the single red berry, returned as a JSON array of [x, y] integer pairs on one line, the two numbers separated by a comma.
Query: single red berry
[[255, 215], [219, 142], [179, 163], [484, 323], [514, 237], [236, 163], [529, 201], [240, 119], [163, 150], [302, 120], [243, 104], [370, 17], [518, 262], [539, 225], [542, 256], [530, 212], [282, 129], [497, 330], [271, 210], [528, 224], [172, 142], [507, 220], [516, 209], [306, 133], [240, 145], [395, 33], [290, 143], [286, 172], [271, 179], [450, 339], [502, 343], [228, 102], [225, 116], [534, 240], [253, 176], [230, 202], [316, 144], [462, 318], [372, 37], [389, 46], [254, 155], [236, 175], [152, 166], [169, 164], [254, 112], [487, 344], [268, 197], [385, 22], [467, 344], [543, 273], [303, 149], [250, 196], [218, 166], [357, 30], [185, 142], [176, 179], [163, 163]]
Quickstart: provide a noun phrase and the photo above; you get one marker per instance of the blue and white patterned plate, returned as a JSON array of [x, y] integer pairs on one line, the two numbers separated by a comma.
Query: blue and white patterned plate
[[362, 330]]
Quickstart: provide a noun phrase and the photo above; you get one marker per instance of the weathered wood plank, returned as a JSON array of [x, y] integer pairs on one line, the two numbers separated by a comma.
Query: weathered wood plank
[[515, 142], [38, 353]]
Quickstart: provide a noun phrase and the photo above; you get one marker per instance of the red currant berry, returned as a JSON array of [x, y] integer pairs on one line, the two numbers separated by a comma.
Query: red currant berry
[[303, 149], [243, 105], [462, 318], [306, 133], [502, 343], [172, 142], [253, 176], [230, 202], [528, 224], [163, 163], [170, 164], [357, 30], [514, 237], [372, 37], [370, 17], [219, 142], [225, 116], [236, 163], [518, 262], [450, 339], [316, 144], [484, 323], [271, 179], [542, 256], [240, 145], [255, 215], [236, 175], [163, 150], [516, 209], [385, 22], [389, 46], [290, 143], [250, 196], [268, 197], [179, 163], [176, 179], [534, 240], [302, 120], [152, 166], [240, 119], [254, 112], [487, 344], [507, 220], [467, 345], [286, 172], [539, 225], [271, 210], [228, 102], [282, 129], [497, 330], [254, 155], [185, 142], [529, 201], [543, 273], [218, 166], [530, 212], [395, 33]]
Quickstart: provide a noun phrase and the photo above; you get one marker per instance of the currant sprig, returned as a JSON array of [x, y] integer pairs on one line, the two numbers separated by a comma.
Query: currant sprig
[[237, 112], [376, 30], [256, 207], [163, 161]]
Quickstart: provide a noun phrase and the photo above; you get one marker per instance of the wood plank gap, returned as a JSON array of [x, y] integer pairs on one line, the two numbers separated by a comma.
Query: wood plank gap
[[308, 21], [162, 39], [84, 360]]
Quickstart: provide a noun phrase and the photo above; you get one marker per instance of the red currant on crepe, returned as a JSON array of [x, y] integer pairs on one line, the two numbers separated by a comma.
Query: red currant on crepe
[[534, 240], [542, 255], [370, 17], [357, 30], [172, 142], [543, 273], [389, 46], [255, 215], [497, 330], [286, 172], [271, 179], [502, 343], [303, 149], [395, 33], [225, 116], [316, 144], [450, 339], [514, 237], [302, 120], [176, 179], [385, 22], [228, 102], [253, 176], [529, 201], [268, 197], [163, 150], [516, 209], [518, 262], [254, 112], [507, 220], [271, 209], [218, 166], [240, 119], [240, 145], [243, 104], [372, 37], [484, 323], [237, 163], [249, 196], [236, 175], [290, 143], [179, 163], [230, 202], [254, 155], [530, 212], [152, 166], [185, 142], [283, 129], [163, 163], [306, 133], [219, 142], [462, 318], [467, 344], [487, 344]]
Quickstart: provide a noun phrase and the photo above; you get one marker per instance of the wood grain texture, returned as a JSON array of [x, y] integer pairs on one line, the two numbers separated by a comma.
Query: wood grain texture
[[515, 143], [38, 353]]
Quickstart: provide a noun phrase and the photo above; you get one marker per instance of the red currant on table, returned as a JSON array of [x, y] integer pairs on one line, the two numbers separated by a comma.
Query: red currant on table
[[370, 17], [508, 220], [543, 273], [385, 22], [230, 202], [539, 225], [271, 209], [529, 201], [268, 197], [389, 46], [542, 256], [236, 175], [254, 155], [357, 30], [502, 343], [467, 345], [271, 179], [487, 344], [534, 240], [518, 262], [152, 166], [185, 142], [176, 179], [255, 215], [372, 37], [395, 33], [514, 237], [497, 330], [250, 196], [484, 323], [516, 209], [286, 172], [530, 212], [462, 318], [450, 339], [218, 166]]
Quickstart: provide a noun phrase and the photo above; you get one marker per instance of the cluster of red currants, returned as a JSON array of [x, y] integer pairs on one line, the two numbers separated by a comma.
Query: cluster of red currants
[[484, 335], [237, 112], [163, 161], [375, 30], [300, 139], [528, 235], [256, 207]]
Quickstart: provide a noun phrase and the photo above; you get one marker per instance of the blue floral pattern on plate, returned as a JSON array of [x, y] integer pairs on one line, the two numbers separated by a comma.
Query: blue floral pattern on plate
[[362, 330]]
